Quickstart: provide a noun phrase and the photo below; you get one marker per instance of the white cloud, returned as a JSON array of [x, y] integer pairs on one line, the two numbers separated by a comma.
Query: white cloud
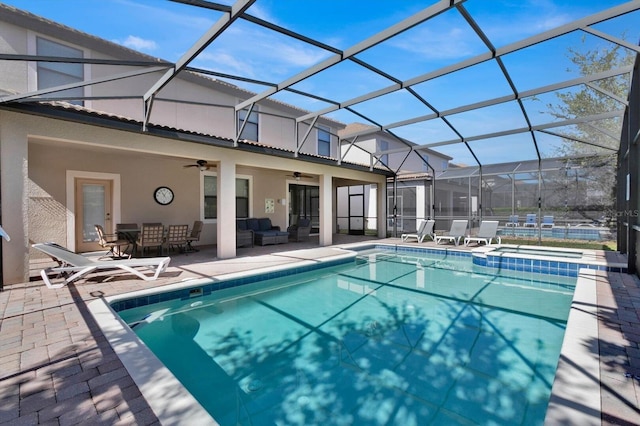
[[259, 54], [440, 44], [139, 44]]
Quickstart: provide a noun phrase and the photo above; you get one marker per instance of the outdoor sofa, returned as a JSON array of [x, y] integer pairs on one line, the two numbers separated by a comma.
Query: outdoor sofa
[[264, 232]]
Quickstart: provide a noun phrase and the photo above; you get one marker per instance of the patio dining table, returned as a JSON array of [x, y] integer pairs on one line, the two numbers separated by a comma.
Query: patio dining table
[[131, 235]]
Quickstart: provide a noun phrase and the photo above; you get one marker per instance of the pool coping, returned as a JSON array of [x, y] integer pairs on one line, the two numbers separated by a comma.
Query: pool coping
[[576, 391], [576, 385]]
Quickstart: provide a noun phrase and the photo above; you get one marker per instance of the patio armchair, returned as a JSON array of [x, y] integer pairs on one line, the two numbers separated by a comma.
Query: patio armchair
[[244, 235], [194, 236], [150, 236], [300, 230], [112, 242]]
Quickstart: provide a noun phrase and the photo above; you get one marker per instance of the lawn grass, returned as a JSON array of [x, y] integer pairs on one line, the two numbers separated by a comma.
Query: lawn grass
[[592, 245]]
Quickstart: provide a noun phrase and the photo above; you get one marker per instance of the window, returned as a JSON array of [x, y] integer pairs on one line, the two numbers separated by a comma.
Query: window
[[211, 197], [250, 130], [242, 198], [52, 74], [324, 141], [425, 163], [384, 146], [445, 163]]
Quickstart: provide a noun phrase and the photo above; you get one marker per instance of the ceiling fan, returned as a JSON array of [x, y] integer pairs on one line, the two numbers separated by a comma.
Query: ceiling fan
[[298, 175], [202, 165]]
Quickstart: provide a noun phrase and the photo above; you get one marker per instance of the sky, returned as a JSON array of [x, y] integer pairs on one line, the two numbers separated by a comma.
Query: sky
[[167, 29]]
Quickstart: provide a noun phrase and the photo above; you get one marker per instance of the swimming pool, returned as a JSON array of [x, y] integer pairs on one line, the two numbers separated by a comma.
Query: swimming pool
[[406, 338]]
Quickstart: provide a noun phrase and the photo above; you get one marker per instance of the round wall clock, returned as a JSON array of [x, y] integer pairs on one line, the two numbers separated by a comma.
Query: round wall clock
[[163, 195]]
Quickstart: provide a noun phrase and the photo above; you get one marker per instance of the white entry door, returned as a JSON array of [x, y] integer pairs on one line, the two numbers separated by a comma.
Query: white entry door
[[93, 206]]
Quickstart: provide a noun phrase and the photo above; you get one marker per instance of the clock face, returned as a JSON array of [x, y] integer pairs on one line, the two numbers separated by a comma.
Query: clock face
[[163, 195]]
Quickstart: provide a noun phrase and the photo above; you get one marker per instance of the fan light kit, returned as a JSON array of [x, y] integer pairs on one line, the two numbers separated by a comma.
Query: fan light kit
[[202, 165], [298, 175]]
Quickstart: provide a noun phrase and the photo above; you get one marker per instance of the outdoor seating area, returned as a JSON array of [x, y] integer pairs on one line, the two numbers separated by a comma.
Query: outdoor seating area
[[531, 221], [151, 236], [262, 231]]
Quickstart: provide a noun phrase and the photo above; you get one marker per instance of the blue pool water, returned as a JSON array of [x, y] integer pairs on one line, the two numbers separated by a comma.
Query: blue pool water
[[390, 338]]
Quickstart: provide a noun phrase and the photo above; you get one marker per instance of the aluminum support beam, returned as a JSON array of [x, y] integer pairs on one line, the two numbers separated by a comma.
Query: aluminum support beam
[[522, 44], [120, 76], [238, 8], [428, 13]]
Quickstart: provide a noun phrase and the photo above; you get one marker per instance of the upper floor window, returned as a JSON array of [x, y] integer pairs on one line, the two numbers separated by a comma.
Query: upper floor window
[[210, 186], [445, 164], [324, 141], [250, 130], [52, 74], [425, 163]]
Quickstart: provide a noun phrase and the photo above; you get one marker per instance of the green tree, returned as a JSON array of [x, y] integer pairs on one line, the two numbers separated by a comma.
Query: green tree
[[590, 181]]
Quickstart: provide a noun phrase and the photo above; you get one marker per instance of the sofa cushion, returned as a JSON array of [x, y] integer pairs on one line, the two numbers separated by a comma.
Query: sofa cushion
[[265, 224], [253, 224], [241, 224]]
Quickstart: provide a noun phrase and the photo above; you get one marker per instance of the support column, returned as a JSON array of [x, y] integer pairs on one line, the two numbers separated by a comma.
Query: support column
[[226, 224], [14, 197], [381, 200], [326, 216]]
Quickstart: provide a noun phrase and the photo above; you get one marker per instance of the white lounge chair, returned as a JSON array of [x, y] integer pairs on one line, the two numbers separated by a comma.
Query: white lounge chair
[[456, 233], [547, 222], [425, 228], [79, 266], [513, 220], [486, 233]]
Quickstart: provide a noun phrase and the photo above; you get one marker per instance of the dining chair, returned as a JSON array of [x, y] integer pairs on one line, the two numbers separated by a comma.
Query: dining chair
[[150, 236], [177, 237]]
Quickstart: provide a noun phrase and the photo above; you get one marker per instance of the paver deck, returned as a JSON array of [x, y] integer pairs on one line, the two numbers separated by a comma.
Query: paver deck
[[56, 366]]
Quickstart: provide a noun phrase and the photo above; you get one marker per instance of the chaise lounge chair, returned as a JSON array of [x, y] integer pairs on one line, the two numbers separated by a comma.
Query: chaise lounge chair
[[513, 220], [79, 266], [531, 221], [547, 222], [456, 233], [486, 233], [425, 228]]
